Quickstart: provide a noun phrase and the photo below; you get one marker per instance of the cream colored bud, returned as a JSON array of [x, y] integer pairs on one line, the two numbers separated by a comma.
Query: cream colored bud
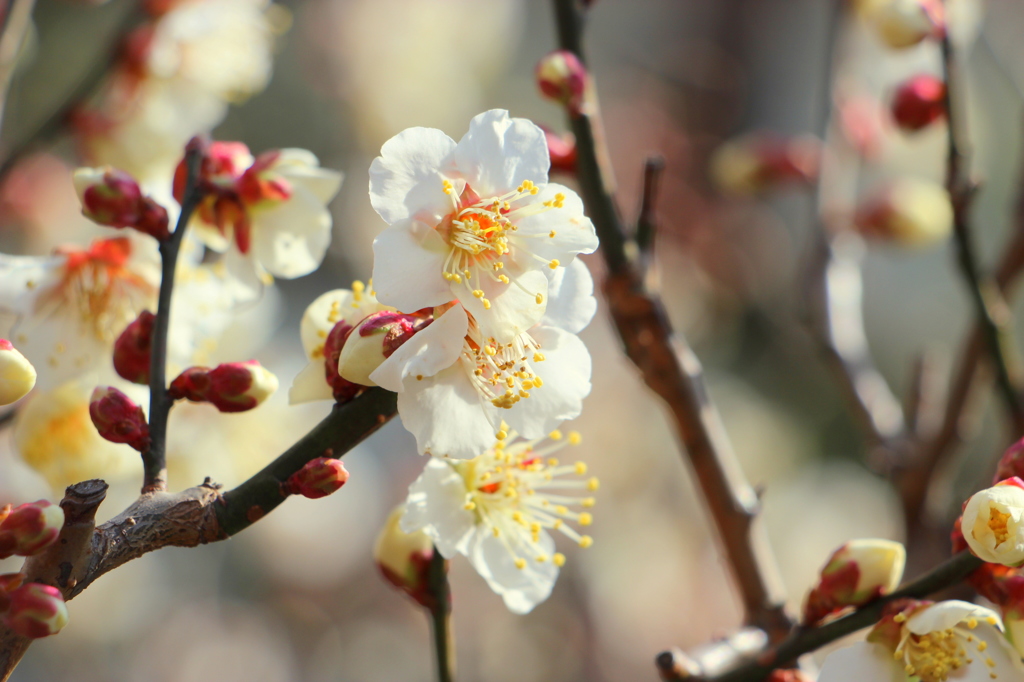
[[905, 23], [17, 375], [360, 356], [993, 523], [910, 211], [403, 557]]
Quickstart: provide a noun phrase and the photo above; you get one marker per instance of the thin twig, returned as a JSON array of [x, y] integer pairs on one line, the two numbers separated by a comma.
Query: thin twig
[[645, 223], [673, 371], [154, 458], [195, 516], [440, 617], [991, 309]]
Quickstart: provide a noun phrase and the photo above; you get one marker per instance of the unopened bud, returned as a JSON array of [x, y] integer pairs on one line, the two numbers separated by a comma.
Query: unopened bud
[[404, 558], [319, 478], [760, 161], [788, 676], [1011, 463], [17, 375], [908, 211], [919, 102], [35, 610], [905, 23], [117, 418], [373, 340], [109, 197], [993, 523], [562, 77], [856, 573], [222, 164], [343, 389], [230, 387], [561, 150], [131, 350], [29, 528]]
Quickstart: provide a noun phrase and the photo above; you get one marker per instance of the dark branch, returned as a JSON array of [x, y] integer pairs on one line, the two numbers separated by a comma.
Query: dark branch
[[440, 617]]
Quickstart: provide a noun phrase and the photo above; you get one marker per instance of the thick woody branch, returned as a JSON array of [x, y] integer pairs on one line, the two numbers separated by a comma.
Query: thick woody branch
[[190, 518], [673, 371]]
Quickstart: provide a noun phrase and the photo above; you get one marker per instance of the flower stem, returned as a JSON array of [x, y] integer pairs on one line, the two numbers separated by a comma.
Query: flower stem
[[154, 459], [440, 617], [992, 310]]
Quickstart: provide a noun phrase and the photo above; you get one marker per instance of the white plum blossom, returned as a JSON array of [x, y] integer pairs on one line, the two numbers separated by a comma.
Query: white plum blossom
[[993, 523], [456, 386], [320, 318], [273, 207], [949, 640], [475, 221], [497, 509]]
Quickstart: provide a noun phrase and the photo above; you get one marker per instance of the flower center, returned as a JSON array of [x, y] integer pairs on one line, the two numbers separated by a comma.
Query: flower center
[[98, 286], [997, 522], [934, 656], [481, 232], [503, 373], [510, 490]]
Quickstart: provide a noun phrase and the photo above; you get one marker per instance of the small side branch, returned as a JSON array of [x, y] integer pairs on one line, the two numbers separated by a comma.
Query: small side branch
[[673, 371], [440, 617], [154, 458]]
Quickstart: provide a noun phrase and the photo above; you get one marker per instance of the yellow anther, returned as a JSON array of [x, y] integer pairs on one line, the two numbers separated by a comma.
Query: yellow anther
[[487, 304], [588, 502], [982, 645], [503, 278], [593, 484], [524, 394], [555, 435], [496, 531], [575, 438], [321, 333], [559, 200], [520, 563], [586, 519], [517, 516], [554, 264], [900, 618], [541, 559], [478, 293], [469, 506], [499, 265], [586, 541], [972, 623], [540, 299], [580, 468], [490, 350], [558, 559], [501, 435], [551, 234], [561, 510], [538, 357]]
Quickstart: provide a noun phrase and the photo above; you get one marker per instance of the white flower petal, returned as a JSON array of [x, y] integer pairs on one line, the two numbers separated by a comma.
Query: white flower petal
[[291, 239], [436, 505], [316, 322], [520, 588], [408, 258], [947, 614], [571, 302], [310, 384], [566, 375], [860, 663], [444, 413], [574, 233], [499, 152], [426, 353], [323, 183], [514, 307], [406, 180]]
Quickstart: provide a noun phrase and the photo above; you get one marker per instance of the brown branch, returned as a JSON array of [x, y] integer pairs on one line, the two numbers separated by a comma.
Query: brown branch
[[991, 308], [189, 518], [16, 24], [672, 370]]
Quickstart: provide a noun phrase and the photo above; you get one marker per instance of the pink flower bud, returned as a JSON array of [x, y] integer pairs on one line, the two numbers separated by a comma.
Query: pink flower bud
[[17, 375], [319, 478], [993, 523], [1011, 463], [858, 572], [36, 610], [404, 558], [109, 196], [231, 387], [760, 161], [29, 528], [788, 676], [919, 102], [374, 339], [563, 78], [131, 350], [117, 418], [561, 150], [907, 211], [343, 389], [905, 23]]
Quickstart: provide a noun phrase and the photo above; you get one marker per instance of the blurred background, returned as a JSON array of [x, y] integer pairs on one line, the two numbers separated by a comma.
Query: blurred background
[[297, 596]]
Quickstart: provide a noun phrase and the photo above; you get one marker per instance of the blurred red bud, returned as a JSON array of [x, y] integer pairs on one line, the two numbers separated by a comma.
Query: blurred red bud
[[35, 610], [28, 528], [117, 418], [230, 387], [131, 350], [561, 150], [562, 77], [919, 102]]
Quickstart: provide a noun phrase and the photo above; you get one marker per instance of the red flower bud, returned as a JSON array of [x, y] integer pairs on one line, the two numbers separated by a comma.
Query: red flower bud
[[561, 150], [788, 676], [118, 418], [131, 350], [36, 610], [919, 102], [109, 196], [344, 390], [404, 558], [562, 77], [17, 375], [1011, 463], [231, 387], [319, 478], [29, 528], [759, 161], [856, 573], [376, 337]]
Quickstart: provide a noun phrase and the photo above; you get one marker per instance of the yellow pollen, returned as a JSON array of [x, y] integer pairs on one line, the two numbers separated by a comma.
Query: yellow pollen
[[540, 299], [470, 506], [586, 519], [558, 559], [478, 293], [580, 468], [900, 618], [575, 438], [588, 502], [541, 559], [552, 462], [554, 264], [520, 563], [504, 279], [538, 357], [551, 234], [997, 523], [586, 541], [496, 531], [501, 435], [487, 304], [555, 435], [593, 484], [357, 290]]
